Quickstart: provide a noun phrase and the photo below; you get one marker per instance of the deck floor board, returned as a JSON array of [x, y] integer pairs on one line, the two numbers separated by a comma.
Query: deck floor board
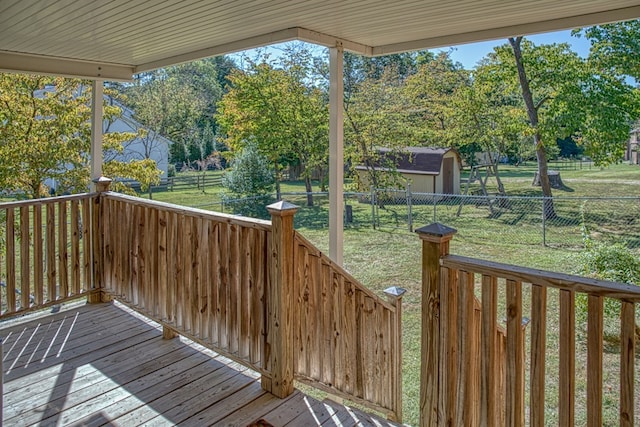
[[103, 364]]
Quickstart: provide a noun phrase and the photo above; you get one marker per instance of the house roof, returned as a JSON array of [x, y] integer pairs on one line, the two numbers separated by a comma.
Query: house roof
[[114, 39], [412, 160]]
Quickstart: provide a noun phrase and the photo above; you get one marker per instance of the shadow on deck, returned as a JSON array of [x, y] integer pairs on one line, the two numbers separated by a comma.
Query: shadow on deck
[[106, 365]]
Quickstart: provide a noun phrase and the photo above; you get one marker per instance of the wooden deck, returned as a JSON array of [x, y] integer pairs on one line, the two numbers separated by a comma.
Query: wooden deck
[[105, 365]]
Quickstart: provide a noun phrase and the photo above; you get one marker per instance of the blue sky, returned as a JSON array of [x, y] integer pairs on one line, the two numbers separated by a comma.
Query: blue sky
[[470, 54]]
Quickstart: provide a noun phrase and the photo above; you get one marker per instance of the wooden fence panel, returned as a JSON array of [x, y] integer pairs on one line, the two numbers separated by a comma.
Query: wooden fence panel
[[505, 405], [200, 274], [344, 334], [37, 246]]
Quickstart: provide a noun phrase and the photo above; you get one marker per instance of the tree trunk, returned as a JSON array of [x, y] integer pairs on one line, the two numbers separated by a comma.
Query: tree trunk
[[532, 111], [277, 179], [309, 190]]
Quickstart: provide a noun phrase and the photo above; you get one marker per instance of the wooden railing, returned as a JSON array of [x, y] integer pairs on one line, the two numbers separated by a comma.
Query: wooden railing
[[256, 292], [46, 251], [201, 274], [347, 339], [451, 366]]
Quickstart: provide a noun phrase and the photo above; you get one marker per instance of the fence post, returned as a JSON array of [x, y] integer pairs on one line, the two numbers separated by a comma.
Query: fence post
[[435, 204], [278, 348], [394, 296], [373, 207], [409, 207], [435, 244], [97, 238], [544, 222]]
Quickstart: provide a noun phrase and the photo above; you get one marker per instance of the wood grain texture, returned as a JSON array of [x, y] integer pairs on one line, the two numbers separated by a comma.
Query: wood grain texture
[[567, 350], [280, 298], [465, 399], [38, 255], [538, 353], [547, 279], [75, 247], [51, 253], [627, 363], [489, 362], [11, 260], [594, 360], [63, 253], [25, 264], [344, 334], [515, 355]]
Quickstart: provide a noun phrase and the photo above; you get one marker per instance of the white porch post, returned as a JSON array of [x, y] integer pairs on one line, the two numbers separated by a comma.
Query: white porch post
[[96, 131], [336, 153]]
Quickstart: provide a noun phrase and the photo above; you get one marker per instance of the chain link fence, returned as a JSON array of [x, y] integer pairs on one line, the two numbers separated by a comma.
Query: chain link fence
[[508, 218], [519, 219]]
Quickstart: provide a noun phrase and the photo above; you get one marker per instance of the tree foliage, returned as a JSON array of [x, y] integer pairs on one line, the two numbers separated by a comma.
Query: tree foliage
[[45, 134], [563, 96], [180, 103], [277, 106], [250, 173], [249, 182], [377, 115], [615, 47]]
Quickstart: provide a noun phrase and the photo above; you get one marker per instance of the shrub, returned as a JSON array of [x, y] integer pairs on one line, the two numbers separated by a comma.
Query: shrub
[[613, 262], [248, 183]]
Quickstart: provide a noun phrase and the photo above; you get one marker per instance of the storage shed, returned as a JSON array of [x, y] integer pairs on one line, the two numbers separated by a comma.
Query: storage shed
[[429, 170]]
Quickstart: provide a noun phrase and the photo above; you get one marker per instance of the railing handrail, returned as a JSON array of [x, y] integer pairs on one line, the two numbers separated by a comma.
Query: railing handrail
[[195, 212], [45, 200], [313, 249], [545, 278]]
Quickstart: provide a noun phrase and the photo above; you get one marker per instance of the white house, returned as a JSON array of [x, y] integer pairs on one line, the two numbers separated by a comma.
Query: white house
[[148, 144], [632, 147]]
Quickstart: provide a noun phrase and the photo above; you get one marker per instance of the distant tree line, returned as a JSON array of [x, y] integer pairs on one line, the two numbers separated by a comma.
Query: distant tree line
[[519, 101]]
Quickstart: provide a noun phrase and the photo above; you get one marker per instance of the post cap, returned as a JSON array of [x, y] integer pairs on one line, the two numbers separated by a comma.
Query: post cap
[[395, 291], [437, 230], [282, 206], [102, 180]]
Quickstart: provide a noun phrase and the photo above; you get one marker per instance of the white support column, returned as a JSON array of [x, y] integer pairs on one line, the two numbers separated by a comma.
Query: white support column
[[96, 130], [336, 153]]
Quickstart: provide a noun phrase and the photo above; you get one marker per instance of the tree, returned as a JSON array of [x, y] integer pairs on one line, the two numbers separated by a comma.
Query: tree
[[166, 106], [615, 47], [46, 135], [377, 115], [278, 107], [613, 104], [532, 111], [249, 177], [250, 173], [564, 95], [430, 91]]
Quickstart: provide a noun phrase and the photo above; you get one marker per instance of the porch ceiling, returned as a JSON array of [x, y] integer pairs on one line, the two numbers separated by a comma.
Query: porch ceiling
[[115, 39]]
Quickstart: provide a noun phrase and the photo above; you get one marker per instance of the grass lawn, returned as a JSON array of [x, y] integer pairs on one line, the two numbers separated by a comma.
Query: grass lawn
[[390, 256]]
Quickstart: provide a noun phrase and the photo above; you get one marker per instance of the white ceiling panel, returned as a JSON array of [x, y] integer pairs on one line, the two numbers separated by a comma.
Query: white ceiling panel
[[113, 39]]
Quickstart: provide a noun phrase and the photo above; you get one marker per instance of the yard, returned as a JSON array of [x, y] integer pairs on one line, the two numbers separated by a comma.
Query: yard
[[390, 256]]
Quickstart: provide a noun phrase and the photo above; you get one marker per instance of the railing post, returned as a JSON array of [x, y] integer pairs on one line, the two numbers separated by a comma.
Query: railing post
[[394, 296], [279, 348], [435, 244], [97, 237]]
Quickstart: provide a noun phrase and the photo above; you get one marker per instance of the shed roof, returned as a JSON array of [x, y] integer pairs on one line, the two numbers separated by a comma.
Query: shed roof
[[114, 39], [413, 160]]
